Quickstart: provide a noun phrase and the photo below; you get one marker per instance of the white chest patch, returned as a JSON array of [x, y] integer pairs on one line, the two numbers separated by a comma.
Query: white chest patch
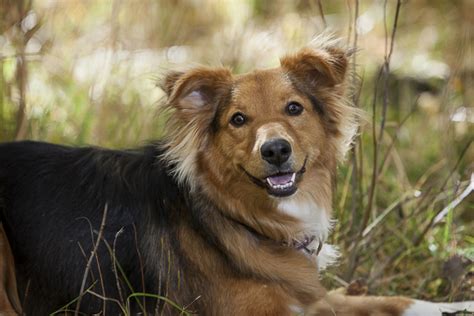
[[315, 221]]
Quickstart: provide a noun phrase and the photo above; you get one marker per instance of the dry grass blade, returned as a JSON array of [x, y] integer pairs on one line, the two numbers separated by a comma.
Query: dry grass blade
[[89, 261]]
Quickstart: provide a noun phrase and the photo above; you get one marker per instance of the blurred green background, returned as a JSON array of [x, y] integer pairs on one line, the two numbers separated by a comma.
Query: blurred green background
[[86, 72]]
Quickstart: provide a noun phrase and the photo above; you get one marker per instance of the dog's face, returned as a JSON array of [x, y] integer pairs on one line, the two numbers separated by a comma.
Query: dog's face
[[263, 131], [259, 134]]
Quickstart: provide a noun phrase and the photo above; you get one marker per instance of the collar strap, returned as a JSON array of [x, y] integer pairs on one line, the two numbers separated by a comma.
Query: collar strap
[[303, 245]]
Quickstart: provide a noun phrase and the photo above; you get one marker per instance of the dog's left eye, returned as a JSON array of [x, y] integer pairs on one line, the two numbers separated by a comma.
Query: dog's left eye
[[238, 119], [294, 108]]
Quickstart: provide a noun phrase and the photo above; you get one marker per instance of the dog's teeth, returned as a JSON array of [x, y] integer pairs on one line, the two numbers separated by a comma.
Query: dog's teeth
[[281, 186]]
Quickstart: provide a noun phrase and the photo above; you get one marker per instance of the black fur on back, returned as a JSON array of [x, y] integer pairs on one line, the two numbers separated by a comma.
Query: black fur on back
[[52, 202]]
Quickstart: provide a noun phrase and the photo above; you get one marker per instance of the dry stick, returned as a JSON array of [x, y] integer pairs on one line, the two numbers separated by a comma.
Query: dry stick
[[22, 78], [395, 138], [388, 57], [89, 262], [383, 72], [351, 22], [114, 266], [354, 55], [420, 183], [354, 257], [108, 299], [22, 70], [356, 171], [85, 257], [321, 13], [456, 201], [140, 260], [355, 98], [96, 259]]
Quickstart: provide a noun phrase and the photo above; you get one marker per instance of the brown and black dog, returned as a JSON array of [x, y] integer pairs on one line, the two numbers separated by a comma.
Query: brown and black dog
[[227, 215]]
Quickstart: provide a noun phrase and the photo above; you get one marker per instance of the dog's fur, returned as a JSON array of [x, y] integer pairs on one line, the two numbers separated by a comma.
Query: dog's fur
[[9, 300], [193, 218]]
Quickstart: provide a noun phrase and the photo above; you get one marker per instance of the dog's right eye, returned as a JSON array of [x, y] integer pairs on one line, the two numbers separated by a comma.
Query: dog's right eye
[[238, 119]]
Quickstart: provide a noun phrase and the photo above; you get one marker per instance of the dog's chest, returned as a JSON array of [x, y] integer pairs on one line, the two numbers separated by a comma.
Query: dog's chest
[[316, 222]]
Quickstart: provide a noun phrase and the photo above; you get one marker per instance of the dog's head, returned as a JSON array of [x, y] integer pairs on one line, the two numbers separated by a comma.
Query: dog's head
[[264, 135]]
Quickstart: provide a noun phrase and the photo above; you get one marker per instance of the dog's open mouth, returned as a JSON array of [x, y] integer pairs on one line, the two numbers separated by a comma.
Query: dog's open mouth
[[282, 184]]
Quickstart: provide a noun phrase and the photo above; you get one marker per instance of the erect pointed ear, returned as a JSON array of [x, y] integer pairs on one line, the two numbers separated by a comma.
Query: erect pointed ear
[[197, 92], [317, 67]]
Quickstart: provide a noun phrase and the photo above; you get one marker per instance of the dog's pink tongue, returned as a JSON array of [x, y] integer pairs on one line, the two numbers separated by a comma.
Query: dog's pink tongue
[[279, 180]]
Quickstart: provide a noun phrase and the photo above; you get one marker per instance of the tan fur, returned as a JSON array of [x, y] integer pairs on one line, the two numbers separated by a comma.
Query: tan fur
[[9, 300]]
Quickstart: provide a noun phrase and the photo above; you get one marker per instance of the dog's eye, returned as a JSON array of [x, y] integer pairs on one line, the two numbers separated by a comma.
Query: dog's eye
[[294, 108], [238, 119]]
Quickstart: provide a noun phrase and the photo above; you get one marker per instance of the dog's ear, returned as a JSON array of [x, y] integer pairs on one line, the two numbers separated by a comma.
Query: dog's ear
[[193, 97], [167, 84], [325, 67], [198, 91]]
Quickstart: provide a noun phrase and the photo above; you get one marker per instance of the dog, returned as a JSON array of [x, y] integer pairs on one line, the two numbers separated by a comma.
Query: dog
[[227, 215]]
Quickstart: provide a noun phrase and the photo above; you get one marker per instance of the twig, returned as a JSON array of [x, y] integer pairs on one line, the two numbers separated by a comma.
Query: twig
[[99, 270], [404, 198], [22, 78], [114, 265], [456, 201], [355, 183], [89, 261], [162, 298], [122, 272], [384, 71], [386, 67], [108, 299], [373, 182], [140, 260], [321, 13], [395, 137]]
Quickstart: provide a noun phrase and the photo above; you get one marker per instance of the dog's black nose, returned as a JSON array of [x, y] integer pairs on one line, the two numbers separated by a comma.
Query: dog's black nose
[[276, 151]]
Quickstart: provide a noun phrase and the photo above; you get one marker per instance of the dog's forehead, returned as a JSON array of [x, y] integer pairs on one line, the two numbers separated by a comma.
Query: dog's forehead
[[261, 84]]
